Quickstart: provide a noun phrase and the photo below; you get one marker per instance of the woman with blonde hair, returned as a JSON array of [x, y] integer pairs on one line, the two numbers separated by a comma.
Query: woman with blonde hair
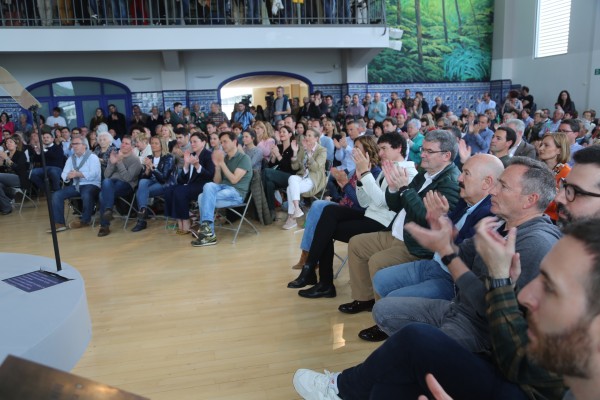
[[398, 108], [265, 141], [555, 151], [141, 139], [309, 159]]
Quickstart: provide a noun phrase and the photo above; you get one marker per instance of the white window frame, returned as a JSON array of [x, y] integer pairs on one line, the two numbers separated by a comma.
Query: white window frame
[[552, 28]]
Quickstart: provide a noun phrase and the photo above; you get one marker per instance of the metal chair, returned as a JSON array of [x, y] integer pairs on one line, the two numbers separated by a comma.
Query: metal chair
[[242, 216]]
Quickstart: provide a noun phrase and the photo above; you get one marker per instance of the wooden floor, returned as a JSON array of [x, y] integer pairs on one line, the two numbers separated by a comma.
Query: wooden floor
[[175, 322]]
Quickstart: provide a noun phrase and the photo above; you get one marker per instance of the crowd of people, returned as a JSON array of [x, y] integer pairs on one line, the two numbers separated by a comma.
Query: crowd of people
[[453, 222], [186, 12]]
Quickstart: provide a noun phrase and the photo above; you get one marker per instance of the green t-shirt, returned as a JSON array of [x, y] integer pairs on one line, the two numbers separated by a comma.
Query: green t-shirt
[[240, 160]]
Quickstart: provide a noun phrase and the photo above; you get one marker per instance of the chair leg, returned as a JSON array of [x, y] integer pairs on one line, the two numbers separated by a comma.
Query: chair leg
[[129, 212]]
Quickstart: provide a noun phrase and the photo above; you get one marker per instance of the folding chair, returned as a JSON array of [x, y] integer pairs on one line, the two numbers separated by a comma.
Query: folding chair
[[242, 216], [25, 193], [342, 259]]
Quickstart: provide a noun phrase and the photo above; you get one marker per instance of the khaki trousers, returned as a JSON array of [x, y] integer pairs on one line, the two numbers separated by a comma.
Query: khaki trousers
[[367, 254]]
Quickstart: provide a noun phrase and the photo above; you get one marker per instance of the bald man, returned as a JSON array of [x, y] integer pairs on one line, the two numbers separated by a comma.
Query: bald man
[[431, 278]]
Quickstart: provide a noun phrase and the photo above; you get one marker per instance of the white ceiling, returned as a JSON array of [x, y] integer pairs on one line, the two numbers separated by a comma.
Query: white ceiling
[[261, 81]]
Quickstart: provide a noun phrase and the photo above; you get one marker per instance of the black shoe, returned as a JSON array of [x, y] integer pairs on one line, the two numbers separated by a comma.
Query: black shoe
[[104, 231], [317, 291], [142, 215], [373, 334], [141, 225], [306, 277], [357, 306]]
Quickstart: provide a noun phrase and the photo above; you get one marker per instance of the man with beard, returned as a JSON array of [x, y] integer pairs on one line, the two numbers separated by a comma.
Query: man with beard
[[579, 196]]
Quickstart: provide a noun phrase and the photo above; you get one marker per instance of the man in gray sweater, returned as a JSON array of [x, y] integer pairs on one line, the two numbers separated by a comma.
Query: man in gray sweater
[[523, 192], [120, 179]]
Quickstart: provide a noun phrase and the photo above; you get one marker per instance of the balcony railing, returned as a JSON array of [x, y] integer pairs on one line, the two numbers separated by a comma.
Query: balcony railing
[[46, 13]]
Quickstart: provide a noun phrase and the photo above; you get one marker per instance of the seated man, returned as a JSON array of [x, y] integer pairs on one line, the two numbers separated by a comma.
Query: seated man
[[431, 278], [82, 170], [370, 252], [55, 161], [233, 174], [503, 140], [120, 179], [525, 189], [557, 333]]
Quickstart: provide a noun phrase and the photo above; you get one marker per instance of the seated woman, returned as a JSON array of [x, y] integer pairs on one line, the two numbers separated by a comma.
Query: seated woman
[[368, 148], [279, 167], [555, 152], [265, 141], [14, 172], [198, 169], [309, 159], [156, 176], [250, 148], [214, 143], [141, 139], [342, 223]]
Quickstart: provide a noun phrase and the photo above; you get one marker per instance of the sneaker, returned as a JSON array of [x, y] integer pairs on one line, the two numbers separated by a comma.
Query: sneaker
[[298, 213], [58, 227], [203, 231], [289, 224], [78, 224], [313, 385], [108, 215], [209, 240]]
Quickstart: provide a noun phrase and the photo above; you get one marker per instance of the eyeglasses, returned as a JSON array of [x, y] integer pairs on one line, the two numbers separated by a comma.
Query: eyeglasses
[[571, 191], [428, 151]]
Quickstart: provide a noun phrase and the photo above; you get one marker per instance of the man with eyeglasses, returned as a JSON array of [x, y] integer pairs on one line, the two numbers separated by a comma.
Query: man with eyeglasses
[[571, 127], [480, 137], [368, 253], [82, 175], [579, 194]]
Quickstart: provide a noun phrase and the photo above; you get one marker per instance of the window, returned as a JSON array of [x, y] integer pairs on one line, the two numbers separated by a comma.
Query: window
[[552, 36]]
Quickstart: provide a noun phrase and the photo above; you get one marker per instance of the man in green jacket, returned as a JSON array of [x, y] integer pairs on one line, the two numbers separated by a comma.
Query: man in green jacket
[[368, 253]]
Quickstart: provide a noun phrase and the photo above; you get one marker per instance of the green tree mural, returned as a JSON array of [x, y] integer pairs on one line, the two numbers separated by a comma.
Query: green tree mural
[[443, 41]]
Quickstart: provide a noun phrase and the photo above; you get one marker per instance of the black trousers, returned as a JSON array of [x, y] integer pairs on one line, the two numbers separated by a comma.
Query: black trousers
[[341, 224]]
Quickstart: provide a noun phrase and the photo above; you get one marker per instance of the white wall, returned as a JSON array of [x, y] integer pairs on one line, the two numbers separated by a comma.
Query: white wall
[[514, 36]]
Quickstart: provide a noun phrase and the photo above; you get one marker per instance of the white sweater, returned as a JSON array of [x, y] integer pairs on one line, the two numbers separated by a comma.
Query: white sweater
[[371, 194]]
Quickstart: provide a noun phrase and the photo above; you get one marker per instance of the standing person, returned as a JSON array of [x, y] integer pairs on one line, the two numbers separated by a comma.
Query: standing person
[[242, 116], [55, 121], [197, 170], [82, 173], [440, 109], [479, 136], [281, 106], [378, 108], [157, 174], [565, 103], [154, 119], [97, 119], [116, 121], [120, 179]]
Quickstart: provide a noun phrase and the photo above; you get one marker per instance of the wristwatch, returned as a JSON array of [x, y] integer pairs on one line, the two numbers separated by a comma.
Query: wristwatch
[[492, 283], [446, 260]]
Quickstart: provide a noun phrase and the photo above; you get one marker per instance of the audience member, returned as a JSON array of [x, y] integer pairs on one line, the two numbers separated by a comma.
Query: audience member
[[14, 170], [55, 161], [555, 153], [503, 140]]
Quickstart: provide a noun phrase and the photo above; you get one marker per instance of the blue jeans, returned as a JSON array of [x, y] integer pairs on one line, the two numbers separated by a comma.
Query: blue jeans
[[216, 195], [88, 193], [422, 278], [312, 219], [119, 8], [330, 10], [111, 189], [147, 188], [397, 369], [37, 177]]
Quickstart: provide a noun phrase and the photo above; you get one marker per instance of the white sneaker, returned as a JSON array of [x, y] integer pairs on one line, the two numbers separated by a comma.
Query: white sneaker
[[289, 224], [313, 385], [298, 213]]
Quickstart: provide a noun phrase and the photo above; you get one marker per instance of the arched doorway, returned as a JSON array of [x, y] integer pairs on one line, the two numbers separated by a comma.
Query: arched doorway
[[258, 88], [79, 97]]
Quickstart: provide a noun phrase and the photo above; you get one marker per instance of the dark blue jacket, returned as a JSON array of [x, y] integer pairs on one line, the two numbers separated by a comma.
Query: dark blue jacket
[[468, 229], [206, 174]]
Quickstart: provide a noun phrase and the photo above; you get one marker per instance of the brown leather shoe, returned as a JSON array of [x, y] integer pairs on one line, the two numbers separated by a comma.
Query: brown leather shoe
[[78, 224], [104, 231], [302, 261]]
